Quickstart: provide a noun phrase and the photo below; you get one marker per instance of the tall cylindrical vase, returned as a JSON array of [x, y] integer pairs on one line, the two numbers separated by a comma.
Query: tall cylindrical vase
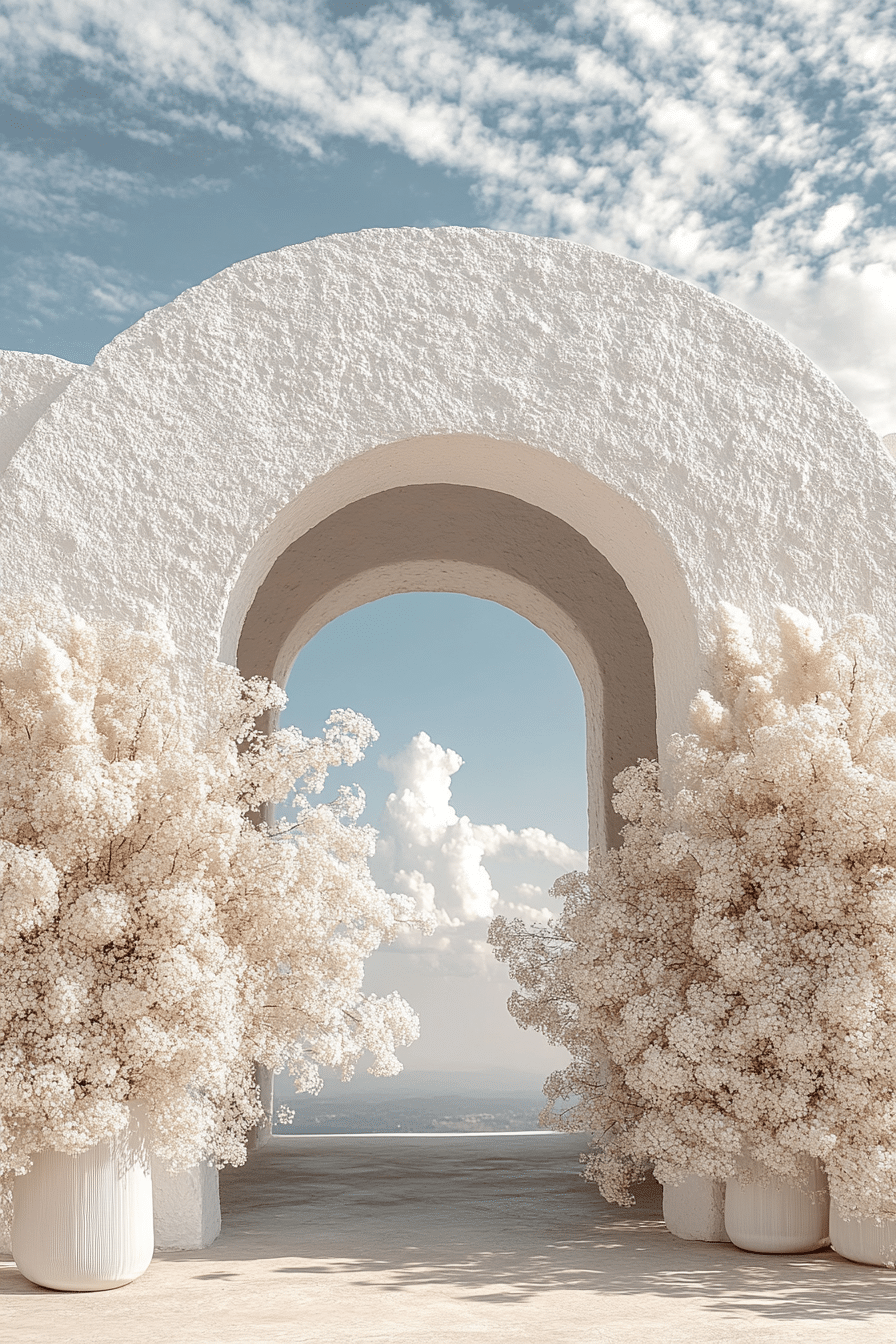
[[83, 1223], [765, 1213], [864, 1240]]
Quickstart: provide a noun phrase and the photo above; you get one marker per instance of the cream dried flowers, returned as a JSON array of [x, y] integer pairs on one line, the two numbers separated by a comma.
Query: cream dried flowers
[[725, 980], [156, 938]]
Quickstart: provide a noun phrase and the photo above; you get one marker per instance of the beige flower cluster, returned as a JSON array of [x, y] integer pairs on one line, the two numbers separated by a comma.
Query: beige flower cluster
[[725, 981], [157, 938]]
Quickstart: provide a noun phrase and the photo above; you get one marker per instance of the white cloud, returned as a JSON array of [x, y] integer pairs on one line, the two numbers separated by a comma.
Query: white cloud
[[428, 851], [46, 193], [60, 284], [49, 192], [748, 148]]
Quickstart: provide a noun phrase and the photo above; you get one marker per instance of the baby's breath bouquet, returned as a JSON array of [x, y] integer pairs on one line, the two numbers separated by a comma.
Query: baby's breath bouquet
[[157, 939], [725, 980]]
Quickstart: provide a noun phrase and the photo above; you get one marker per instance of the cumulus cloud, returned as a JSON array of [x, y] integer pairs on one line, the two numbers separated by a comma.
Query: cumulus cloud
[[426, 850], [747, 148]]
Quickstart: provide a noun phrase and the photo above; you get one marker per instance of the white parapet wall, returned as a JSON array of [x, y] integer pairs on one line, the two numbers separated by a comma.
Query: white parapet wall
[[185, 1207], [695, 1209]]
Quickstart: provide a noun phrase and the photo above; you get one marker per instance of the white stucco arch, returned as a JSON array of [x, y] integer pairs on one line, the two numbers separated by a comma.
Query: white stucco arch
[[702, 455], [696, 453], [611, 523], [441, 536], [692, 448]]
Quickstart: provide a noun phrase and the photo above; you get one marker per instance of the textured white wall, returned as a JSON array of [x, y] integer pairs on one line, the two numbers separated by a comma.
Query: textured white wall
[[28, 383], [700, 452], [691, 446], [186, 1208]]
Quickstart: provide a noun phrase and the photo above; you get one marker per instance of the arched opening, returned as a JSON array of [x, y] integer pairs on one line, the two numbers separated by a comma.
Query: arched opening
[[504, 522], [490, 544], [477, 788], [227, 427]]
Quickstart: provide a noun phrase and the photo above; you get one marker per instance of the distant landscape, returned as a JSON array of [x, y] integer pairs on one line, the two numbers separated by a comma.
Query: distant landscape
[[418, 1101]]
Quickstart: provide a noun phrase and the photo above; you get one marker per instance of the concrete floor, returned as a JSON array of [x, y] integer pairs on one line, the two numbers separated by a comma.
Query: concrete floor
[[419, 1240]]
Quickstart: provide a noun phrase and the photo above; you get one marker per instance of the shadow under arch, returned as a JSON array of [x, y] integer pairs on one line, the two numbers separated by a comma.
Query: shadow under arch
[[485, 543]]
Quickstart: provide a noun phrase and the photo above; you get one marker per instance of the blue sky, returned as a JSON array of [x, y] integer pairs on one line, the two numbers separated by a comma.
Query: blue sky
[[485, 812], [746, 147]]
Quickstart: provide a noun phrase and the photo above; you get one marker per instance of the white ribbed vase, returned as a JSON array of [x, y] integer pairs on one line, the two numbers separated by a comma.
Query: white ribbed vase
[[863, 1239], [767, 1214], [84, 1223]]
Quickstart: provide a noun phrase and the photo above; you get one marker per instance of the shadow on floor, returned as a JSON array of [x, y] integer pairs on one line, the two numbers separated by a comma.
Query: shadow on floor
[[491, 1221], [501, 1220]]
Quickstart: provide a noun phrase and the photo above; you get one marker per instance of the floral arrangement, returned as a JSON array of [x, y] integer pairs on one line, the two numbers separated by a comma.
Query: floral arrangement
[[725, 980], [157, 936]]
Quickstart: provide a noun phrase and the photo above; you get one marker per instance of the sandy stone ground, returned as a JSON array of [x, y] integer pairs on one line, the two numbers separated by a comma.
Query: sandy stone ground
[[375, 1239]]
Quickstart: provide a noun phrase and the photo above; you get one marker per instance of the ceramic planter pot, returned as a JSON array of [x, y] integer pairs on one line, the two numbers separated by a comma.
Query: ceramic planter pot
[[775, 1217], [84, 1223], [864, 1239]]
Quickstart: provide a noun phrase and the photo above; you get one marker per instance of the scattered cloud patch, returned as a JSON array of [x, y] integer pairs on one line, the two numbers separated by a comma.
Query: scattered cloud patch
[[53, 285], [44, 193], [748, 149]]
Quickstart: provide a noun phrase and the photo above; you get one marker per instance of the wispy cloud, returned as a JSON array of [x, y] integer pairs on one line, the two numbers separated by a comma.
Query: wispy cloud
[[45, 193], [748, 148], [54, 285]]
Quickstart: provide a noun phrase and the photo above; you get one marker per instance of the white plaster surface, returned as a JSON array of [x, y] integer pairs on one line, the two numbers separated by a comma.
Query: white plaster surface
[[440, 1238], [697, 450], [28, 384], [264, 1078]]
